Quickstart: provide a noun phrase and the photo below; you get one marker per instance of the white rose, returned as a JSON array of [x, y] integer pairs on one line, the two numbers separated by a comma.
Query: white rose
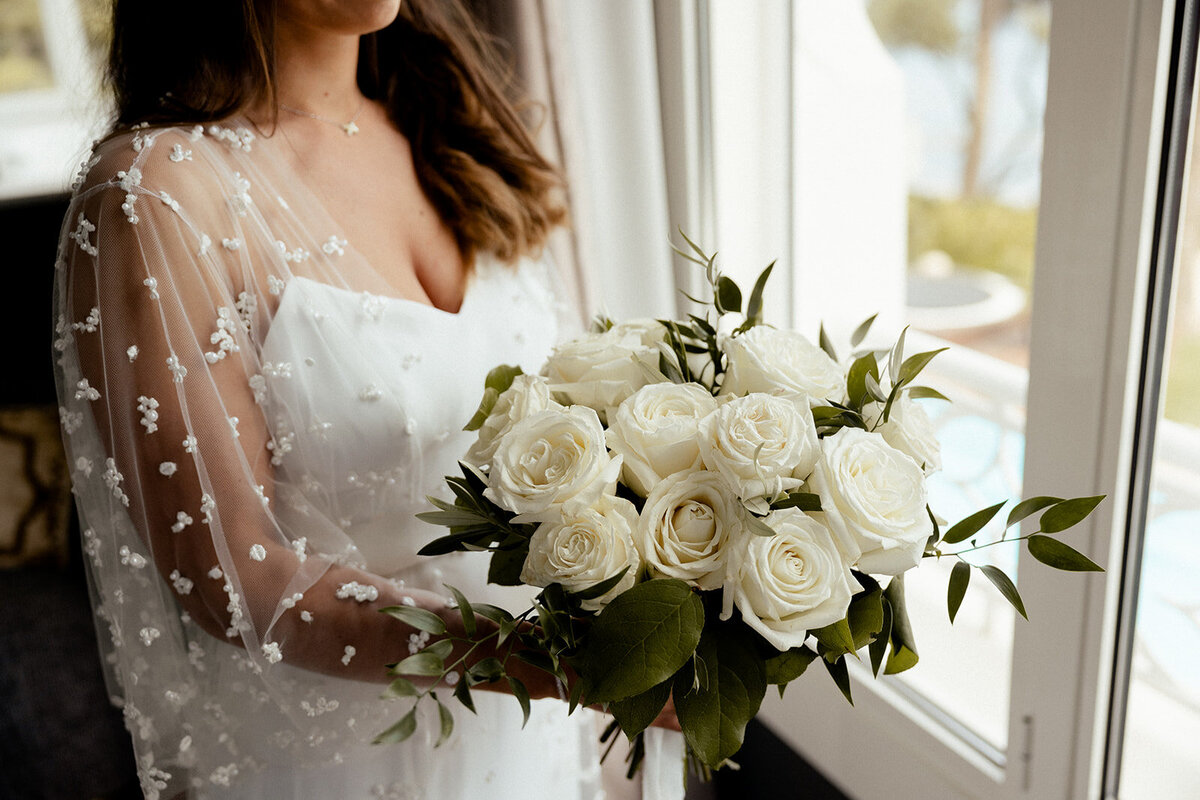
[[527, 395], [600, 370], [873, 501], [760, 442], [549, 458], [685, 526], [790, 583], [909, 430], [656, 431], [770, 360], [587, 545]]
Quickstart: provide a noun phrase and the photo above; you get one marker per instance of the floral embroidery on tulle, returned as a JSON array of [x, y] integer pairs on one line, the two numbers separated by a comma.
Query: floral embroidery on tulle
[[334, 246], [84, 465], [128, 209], [205, 244], [322, 706], [241, 201], [148, 408], [189, 444], [152, 779], [258, 385], [130, 558], [275, 285], [207, 506], [178, 371], [292, 256], [247, 307], [132, 353], [258, 552], [299, 546], [363, 593], [348, 653], [280, 447], [232, 244], [83, 229], [169, 202], [112, 479], [90, 323], [233, 423], [370, 393], [372, 306], [84, 391], [306, 616], [416, 641], [178, 154], [167, 468], [91, 547], [272, 652], [71, 420], [148, 635], [222, 337], [282, 369], [182, 520], [290, 602], [130, 179], [182, 585], [239, 138]]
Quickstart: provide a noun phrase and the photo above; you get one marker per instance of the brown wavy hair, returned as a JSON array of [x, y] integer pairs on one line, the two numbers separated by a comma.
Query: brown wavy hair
[[435, 72]]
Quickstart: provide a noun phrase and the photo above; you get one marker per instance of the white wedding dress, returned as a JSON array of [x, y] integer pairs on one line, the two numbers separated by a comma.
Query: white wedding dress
[[252, 422]]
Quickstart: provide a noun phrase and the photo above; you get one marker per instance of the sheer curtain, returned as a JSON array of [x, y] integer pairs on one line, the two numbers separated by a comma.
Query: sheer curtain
[[592, 65]]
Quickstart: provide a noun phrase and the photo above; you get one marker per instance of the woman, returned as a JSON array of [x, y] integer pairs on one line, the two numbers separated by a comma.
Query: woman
[[281, 282]]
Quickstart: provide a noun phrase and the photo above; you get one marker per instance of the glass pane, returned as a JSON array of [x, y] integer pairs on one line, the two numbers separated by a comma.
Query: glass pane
[[974, 80], [1163, 712], [24, 63]]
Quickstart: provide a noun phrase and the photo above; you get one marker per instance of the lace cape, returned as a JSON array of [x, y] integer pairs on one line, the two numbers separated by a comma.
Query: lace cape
[[246, 499]]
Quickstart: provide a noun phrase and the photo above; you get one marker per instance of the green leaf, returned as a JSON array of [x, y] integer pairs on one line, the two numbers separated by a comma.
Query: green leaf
[[462, 691], [538, 659], [464, 610], [897, 356], [1007, 588], [400, 731], [447, 722], [856, 378], [486, 670], [442, 648], [636, 713], [494, 613], [785, 667], [836, 639], [728, 295], [913, 365], [505, 567], [522, 694], [865, 617], [860, 332], [1062, 556], [841, 676], [904, 648], [926, 393], [878, 648], [1026, 507], [826, 344], [759, 528], [601, 588], [960, 577], [805, 501], [1068, 513], [714, 711], [640, 639], [966, 528], [754, 306], [400, 687], [419, 618], [423, 664], [496, 383]]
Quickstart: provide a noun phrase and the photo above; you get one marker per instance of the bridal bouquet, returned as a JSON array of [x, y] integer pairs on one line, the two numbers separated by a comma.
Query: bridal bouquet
[[708, 506]]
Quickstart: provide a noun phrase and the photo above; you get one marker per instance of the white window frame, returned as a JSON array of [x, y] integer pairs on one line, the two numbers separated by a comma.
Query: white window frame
[[1103, 138]]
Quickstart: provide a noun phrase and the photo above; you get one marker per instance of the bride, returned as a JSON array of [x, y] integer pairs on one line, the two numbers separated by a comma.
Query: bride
[[282, 279]]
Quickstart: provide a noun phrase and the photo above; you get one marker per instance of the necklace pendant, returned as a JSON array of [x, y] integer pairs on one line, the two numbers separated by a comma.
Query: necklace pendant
[[350, 128]]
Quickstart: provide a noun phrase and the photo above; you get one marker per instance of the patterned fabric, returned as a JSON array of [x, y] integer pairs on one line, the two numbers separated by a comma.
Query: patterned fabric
[[253, 417]]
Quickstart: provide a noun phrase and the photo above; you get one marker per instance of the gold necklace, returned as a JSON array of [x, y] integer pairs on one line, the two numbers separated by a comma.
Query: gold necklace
[[350, 128]]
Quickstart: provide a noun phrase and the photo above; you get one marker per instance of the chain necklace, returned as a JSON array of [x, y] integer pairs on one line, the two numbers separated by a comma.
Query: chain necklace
[[350, 128]]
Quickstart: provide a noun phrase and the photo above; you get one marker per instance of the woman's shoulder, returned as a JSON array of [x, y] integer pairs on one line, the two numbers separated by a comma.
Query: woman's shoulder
[[180, 160]]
